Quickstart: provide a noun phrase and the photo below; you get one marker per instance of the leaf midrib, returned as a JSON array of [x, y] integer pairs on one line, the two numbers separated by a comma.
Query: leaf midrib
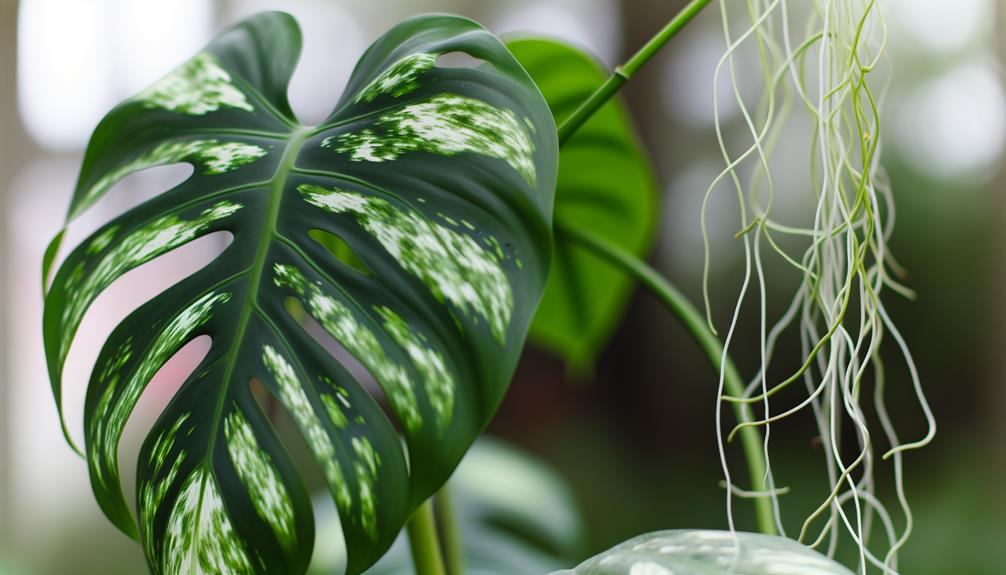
[[255, 272], [276, 186]]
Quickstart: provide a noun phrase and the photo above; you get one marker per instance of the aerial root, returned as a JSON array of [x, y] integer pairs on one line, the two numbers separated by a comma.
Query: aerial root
[[845, 267]]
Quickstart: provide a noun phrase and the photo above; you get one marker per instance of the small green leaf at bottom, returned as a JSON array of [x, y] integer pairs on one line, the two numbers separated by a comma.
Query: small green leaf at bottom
[[703, 552]]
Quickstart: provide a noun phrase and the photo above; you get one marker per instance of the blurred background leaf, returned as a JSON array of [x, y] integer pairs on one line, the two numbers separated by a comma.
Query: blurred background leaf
[[516, 515], [606, 185]]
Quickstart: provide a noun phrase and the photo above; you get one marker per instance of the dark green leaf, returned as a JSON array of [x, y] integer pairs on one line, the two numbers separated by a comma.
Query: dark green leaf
[[606, 185], [439, 180], [699, 552]]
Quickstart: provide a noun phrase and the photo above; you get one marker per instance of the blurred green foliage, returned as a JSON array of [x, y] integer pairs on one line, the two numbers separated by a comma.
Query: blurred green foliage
[[516, 515], [606, 185]]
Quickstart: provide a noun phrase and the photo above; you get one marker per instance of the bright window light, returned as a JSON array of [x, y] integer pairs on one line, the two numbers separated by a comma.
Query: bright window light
[[593, 24], [939, 25], [955, 124], [78, 59], [333, 41]]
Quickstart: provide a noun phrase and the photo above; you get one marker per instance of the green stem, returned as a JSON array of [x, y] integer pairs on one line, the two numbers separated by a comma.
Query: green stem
[[451, 532], [695, 323], [424, 542], [622, 73]]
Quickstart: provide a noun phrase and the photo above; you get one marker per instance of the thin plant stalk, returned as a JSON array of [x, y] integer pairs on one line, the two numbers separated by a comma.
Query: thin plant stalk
[[693, 321], [424, 542], [450, 530], [663, 289], [621, 74]]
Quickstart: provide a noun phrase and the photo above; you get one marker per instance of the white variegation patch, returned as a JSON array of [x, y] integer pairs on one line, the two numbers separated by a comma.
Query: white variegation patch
[[200, 538], [154, 488], [293, 398], [339, 321], [451, 264], [342, 324], [224, 157], [137, 247], [265, 487], [196, 87], [447, 124], [438, 382], [365, 467], [335, 404], [400, 78], [213, 156], [101, 241], [124, 389]]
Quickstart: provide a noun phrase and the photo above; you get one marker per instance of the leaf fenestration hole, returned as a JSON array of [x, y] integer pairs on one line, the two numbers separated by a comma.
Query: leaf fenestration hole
[[127, 193], [354, 366], [328, 525], [290, 436], [152, 402], [123, 296], [330, 552], [340, 249], [142, 186]]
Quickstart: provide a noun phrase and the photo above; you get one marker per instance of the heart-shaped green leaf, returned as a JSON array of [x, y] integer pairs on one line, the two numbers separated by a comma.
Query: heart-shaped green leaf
[[700, 552], [439, 179], [605, 185]]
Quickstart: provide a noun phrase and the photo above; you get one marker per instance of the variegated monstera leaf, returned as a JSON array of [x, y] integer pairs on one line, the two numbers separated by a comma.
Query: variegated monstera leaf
[[440, 180]]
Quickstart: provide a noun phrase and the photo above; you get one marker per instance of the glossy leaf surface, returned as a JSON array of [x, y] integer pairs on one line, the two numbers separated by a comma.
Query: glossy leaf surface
[[606, 185], [701, 552], [438, 180]]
